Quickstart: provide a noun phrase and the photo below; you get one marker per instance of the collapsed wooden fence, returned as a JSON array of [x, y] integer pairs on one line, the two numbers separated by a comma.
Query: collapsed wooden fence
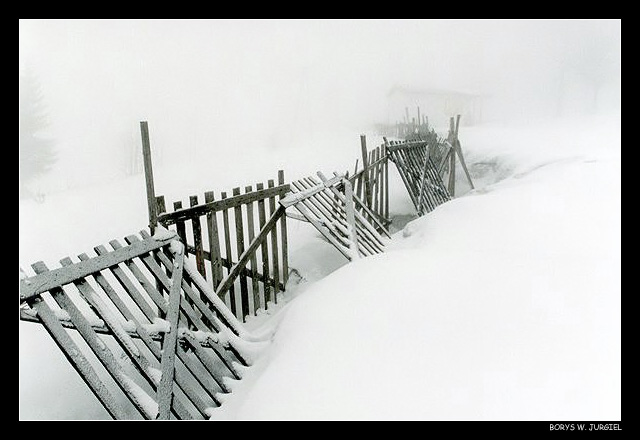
[[172, 300], [146, 298]]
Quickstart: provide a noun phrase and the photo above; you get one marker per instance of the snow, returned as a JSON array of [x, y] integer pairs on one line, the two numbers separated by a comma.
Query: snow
[[504, 303]]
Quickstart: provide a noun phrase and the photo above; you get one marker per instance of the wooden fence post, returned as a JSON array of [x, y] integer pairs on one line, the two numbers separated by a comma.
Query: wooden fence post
[[148, 174], [365, 167]]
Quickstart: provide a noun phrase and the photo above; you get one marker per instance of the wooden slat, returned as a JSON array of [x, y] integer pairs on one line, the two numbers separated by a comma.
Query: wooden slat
[[247, 272], [320, 205], [140, 332], [274, 246], [214, 242], [188, 311], [351, 219], [244, 289], [365, 168], [363, 221], [255, 287], [77, 360], [386, 182], [148, 286], [47, 280], [197, 237], [148, 174], [322, 200], [97, 345], [264, 251], [220, 205], [305, 212], [242, 260], [165, 388], [283, 237], [229, 294], [180, 226], [463, 163]]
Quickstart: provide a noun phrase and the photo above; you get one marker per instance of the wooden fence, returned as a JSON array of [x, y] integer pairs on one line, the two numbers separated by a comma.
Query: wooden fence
[[172, 301], [145, 303], [371, 184], [338, 214], [218, 232]]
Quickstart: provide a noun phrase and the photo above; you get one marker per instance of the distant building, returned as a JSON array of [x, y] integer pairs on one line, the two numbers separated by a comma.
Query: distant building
[[415, 106]]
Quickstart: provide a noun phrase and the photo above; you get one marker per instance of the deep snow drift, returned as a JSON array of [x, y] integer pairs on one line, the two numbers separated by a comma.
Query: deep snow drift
[[502, 304]]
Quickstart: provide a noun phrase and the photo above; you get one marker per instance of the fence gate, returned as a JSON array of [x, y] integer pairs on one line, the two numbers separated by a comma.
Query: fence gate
[[146, 314]]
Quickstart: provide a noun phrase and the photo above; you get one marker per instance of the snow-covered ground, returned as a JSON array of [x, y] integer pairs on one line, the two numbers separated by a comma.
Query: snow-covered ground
[[504, 303]]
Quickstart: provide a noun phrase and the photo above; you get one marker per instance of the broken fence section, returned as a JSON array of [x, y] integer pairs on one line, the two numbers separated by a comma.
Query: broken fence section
[[331, 206], [146, 314]]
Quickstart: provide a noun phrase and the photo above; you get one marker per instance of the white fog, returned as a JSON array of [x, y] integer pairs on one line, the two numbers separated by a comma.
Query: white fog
[[229, 102]]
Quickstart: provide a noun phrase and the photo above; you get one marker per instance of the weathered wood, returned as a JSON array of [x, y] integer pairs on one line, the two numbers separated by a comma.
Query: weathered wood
[[47, 280], [221, 205], [197, 237], [283, 236], [274, 245], [148, 175], [264, 251], [229, 293], [97, 346], [294, 197], [365, 167], [242, 260], [169, 345], [244, 289], [462, 162], [320, 206], [452, 164], [214, 242], [154, 293], [246, 271], [253, 262], [351, 219], [180, 225], [373, 233], [77, 360]]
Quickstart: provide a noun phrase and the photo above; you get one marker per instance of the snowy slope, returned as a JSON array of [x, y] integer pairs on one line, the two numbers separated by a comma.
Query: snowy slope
[[502, 304]]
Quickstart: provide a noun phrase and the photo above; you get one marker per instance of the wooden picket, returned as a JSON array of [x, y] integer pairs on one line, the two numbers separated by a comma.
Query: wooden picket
[[418, 174], [338, 214], [266, 272], [172, 371]]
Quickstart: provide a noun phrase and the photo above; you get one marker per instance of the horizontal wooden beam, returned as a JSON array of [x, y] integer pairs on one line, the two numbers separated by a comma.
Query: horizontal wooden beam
[[33, 286], [219, 205]]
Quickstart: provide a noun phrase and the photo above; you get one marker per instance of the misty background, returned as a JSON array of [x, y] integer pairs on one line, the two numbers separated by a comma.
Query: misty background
[[220, 88]]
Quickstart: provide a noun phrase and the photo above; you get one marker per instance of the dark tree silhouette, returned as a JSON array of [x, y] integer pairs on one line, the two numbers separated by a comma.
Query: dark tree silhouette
[[37, 154]]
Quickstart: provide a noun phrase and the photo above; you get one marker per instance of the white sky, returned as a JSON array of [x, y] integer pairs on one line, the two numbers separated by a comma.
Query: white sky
[[206, 83]]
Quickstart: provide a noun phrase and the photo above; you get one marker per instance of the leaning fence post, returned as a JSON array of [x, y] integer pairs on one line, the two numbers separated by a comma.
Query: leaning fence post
[[148, 175], [365, 170]]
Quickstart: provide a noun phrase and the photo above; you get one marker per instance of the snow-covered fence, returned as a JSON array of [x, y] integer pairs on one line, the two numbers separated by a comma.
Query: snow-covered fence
[[371, 183], [217, 246], [338, 214], [150, 319], [424, 161]]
